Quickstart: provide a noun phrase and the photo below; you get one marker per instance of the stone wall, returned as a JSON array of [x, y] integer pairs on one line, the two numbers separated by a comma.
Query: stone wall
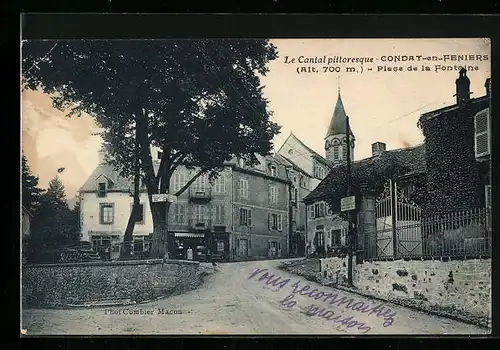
[[456, 288], [57, 285]]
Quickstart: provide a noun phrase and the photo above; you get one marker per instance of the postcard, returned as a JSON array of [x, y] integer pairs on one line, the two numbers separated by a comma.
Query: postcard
[[256, 186]]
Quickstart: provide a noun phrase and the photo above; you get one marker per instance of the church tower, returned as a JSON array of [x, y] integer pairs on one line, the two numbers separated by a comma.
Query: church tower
[[335, 139]]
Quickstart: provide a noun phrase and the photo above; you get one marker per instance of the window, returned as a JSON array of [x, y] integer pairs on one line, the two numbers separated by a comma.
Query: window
[[482, 133], [220, 246], [243, 188], [330, 211], [179, 181], [274, 170], [107, 213], [336, 152], [139, 216], [295, 179], [275, 222], [179, 213], [159, 155], [201, 183], [344, 152], [101, 189], [199, 213], [241, 162], [220, 184], [336, 237], [219, 214], [273, 194], [296, 195], [245, 217], [320, 239], [319, 209], [311, 211]]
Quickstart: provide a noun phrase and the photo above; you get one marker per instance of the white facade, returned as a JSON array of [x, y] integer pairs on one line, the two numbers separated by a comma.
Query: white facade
[[91, 216]]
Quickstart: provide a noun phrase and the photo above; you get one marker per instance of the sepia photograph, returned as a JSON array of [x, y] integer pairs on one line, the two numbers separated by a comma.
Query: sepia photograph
[[256, 187]]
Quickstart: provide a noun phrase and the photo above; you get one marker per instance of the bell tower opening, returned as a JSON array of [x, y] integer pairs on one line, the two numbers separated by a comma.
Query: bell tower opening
[[336, 136]]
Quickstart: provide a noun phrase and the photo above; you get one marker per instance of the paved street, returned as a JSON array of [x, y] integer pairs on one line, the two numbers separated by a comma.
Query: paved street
[[229, 302]]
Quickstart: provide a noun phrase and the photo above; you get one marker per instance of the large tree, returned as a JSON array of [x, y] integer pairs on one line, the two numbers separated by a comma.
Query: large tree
[[199, 101]]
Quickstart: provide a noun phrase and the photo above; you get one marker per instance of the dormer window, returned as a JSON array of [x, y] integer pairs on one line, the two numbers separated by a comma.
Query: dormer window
[[241, 162], [274, 170], [101, 189], [160, 155]]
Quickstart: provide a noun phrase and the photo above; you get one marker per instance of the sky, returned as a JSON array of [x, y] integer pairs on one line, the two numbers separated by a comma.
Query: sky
[[383, 105]]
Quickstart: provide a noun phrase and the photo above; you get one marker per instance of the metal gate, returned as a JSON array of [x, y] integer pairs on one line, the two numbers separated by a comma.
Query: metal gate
[[397, 235]]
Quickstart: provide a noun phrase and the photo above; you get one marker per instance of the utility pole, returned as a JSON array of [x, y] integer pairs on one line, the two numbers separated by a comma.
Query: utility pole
[[290, 213], [349, 219]]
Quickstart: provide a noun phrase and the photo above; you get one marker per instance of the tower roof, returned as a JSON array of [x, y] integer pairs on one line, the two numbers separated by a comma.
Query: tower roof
[[338, 122]]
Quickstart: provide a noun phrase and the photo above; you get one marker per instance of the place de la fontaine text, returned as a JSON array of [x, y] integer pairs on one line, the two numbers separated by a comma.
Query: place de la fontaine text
[[437, 68]]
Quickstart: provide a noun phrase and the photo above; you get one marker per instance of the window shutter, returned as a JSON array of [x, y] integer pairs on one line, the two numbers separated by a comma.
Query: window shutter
[[322, 209], [101, 214], [249, 219], [241, 216], [280, 222], [482, 133], [312, 210], [270, 221]]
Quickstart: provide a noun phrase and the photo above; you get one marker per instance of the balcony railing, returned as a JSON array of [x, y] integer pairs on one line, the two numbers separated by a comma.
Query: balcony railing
[[200, 194], [202, 225]]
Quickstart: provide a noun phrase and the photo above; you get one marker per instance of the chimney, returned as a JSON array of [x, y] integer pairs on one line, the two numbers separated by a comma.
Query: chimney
[[102, 153], [378, 148], [463, 87], [487, 85]]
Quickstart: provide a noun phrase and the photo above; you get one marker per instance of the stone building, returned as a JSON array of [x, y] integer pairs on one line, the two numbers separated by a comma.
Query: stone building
[[242, 215], [448, 173]]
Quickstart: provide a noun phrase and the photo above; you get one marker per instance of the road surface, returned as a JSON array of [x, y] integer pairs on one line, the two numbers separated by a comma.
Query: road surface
[[230, 302]]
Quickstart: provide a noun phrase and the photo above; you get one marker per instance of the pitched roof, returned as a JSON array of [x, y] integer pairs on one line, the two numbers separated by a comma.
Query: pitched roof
[[477, 103], [287, 162], [338, 121], [408, 161], [119, 183], [310, 150]]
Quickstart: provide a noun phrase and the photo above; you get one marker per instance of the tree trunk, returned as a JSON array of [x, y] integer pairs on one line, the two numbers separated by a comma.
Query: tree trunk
[[128, 239], [161, 241]]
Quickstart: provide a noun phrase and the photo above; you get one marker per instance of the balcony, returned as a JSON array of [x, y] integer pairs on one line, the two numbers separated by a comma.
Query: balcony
[[197, 225], [200, 195]]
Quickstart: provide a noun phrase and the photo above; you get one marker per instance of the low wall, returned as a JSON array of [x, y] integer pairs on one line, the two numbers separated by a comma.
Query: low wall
[[57, 285], [459, 288]]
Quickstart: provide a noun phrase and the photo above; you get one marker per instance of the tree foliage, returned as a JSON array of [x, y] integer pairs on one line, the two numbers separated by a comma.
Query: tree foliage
[[199, 101], [53, 224], [30, 191]]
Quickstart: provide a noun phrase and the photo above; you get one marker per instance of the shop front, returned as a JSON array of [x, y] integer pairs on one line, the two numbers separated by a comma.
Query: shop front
[[196, 241]]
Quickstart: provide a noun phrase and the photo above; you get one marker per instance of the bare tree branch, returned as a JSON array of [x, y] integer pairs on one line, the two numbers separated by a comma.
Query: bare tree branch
[[189, 183]]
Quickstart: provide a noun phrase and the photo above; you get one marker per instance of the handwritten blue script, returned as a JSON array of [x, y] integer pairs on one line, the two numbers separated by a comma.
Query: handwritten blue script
[[332, 299]]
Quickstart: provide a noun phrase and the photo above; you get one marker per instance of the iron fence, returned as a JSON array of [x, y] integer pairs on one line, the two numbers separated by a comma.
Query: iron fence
[[457, 235]]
